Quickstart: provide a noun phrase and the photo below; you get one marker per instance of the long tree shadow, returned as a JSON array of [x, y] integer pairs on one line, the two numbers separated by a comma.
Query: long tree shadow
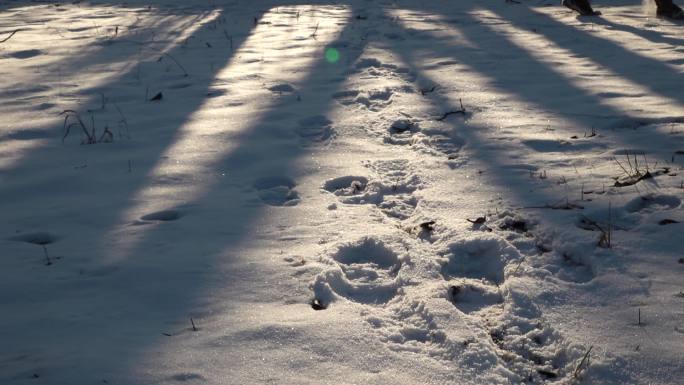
[[528, 79], [77, 81], [650, 35], [527, 68], [139, 287], [46, 197], [216, 206], [650, 73]]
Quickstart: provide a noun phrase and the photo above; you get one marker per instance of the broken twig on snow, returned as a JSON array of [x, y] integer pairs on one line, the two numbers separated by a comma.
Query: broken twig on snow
[[462, 111], [10, 36]]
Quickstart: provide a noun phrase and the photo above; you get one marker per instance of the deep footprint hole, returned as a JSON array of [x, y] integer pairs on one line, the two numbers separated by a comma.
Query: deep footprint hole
[[346, 185], [401, 126], [163, 216], [471, 298], [26, 54], [369, 252], [477, 259], [37, 238], [277, 191], [317, 128]]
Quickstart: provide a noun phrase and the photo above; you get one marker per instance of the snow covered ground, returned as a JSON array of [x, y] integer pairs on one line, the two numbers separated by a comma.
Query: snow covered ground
[[347, 192]]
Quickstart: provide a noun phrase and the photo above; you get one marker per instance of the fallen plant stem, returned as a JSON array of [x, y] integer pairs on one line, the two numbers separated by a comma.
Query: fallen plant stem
[[48, 262], [462, 111], [145, 45], [519, 264], [425, 91], [123, 120], [578, 369], [10, 36], [73, 114], [313, 35]]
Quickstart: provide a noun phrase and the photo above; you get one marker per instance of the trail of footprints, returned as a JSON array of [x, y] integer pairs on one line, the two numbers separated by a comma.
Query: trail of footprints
[[403, 283], [386, 272], [426, 135], [392, 190], [379, 272]]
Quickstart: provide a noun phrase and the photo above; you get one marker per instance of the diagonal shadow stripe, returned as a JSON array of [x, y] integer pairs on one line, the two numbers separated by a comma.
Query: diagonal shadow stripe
[[650, 73], [150, 299]]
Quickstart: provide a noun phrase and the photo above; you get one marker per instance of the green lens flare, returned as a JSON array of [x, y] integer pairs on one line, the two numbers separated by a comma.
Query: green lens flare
[[332, 55]]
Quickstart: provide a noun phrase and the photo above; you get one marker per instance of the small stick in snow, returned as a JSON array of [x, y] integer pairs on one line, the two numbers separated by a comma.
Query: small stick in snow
[[122, 121], [477, 221], [107, 136], [578, 369], [229, 38], [313, 35], [519, 264], [425, 91], [194, 328], [71, 113], [164, 54], [610, 223], [462, 111], [47, 257], [10, 36]]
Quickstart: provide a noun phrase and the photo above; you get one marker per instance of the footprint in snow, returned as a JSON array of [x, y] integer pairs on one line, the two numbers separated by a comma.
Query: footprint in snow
[[376, 68], [440, 142], [346, 97], [472, 295], [346, 185], [282, 88], [365, 271], [398, 206], [391, 192], [277, 191], [25, 54], [37, 238], [653, 202], [162, 216], [484, 257], [573, 269], [315, 130], [368, 63], [374, 100], [401, 126]]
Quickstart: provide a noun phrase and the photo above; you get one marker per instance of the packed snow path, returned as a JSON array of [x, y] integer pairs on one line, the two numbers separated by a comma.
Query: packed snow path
[[369, 192]]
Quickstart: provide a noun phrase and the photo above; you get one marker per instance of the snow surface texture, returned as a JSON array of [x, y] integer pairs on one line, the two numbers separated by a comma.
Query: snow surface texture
[[354, 192]]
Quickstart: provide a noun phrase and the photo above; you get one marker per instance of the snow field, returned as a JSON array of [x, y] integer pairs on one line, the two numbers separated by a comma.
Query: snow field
[[361, 192]]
